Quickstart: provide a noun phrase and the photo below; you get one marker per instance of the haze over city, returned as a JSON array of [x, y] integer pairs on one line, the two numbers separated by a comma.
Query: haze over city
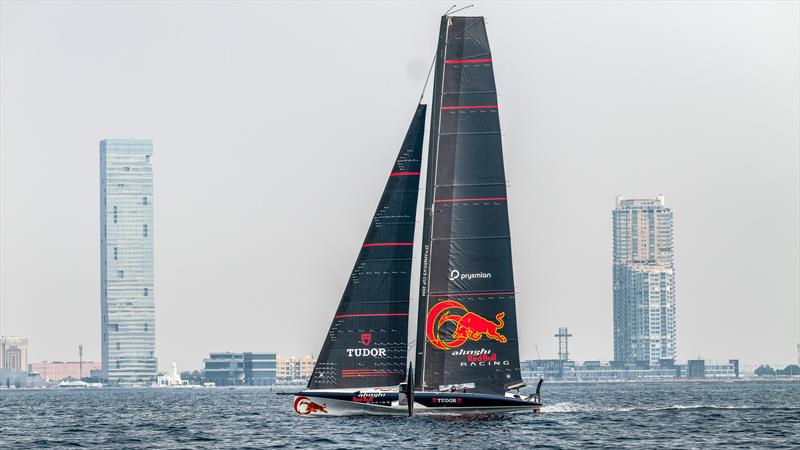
[[274, 127]]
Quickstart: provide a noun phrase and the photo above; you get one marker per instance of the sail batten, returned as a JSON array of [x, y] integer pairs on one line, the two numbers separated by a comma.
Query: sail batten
[[367, 341]]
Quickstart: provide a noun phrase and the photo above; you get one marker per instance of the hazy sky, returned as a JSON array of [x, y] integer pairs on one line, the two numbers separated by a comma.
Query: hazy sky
[[275, 125]]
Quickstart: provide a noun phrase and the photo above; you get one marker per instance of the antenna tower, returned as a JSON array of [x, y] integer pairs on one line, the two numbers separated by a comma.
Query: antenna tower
[[563, 343]]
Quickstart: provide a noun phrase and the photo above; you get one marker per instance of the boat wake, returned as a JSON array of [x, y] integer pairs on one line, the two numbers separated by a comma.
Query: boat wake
[[569, 407]]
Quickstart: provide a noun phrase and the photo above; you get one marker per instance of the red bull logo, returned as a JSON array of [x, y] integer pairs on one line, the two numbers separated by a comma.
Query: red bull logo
[[468, 325], [304, 406]]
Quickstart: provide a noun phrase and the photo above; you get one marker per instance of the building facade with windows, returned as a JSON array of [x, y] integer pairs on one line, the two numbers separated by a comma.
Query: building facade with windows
[[127, 295], [293, 370], [240, 369], [14, 353], [643, 282]]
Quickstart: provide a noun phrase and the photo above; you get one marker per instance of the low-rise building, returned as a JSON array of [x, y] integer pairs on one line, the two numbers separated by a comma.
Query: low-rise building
[[59, 370], [589, 371], [240, 369], [293, 370]]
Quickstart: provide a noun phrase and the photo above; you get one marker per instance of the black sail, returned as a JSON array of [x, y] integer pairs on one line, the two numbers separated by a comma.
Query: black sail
[[467, 330], [367, 341]]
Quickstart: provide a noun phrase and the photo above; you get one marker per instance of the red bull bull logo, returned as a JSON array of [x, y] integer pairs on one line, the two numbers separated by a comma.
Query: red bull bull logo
[[304, 406], [468, 325]]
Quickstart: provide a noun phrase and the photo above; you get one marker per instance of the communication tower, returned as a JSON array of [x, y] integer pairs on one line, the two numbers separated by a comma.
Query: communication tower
[[563, 343]]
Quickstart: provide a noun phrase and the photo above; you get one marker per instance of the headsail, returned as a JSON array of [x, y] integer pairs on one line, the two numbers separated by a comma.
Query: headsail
[[467, 330], [366, 343]]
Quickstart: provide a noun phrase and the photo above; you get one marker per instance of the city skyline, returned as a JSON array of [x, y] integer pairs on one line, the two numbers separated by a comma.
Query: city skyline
[[267, 175]]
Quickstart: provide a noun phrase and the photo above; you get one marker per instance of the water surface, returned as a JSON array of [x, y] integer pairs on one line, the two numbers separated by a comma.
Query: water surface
[[620, 415]]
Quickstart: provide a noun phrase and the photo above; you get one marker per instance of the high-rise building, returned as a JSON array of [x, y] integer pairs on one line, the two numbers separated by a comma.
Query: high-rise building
[[644, 281], [127, 297], [14, 353]]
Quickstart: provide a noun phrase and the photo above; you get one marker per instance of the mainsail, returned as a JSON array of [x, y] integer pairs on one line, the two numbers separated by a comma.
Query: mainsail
[[367, 340], [467, 330]]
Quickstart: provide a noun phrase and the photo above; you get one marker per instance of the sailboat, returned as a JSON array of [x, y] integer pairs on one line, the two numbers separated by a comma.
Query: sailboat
[[466, 357]]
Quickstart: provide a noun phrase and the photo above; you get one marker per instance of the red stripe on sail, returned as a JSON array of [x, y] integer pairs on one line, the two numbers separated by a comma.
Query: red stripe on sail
[[447, 200], [403, 174], [370, 315], [364, 370], [470, 107], [368, 374], [468, 61], [472, 294], [389, 244]]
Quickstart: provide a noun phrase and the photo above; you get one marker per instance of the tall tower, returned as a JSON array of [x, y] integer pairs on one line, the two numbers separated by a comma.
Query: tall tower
[[126, 261], [644, 281], [563, 343]]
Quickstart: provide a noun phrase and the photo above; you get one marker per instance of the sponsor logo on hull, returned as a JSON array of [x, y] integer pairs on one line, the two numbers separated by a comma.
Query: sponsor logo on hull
[[468, 325], [304, 406]]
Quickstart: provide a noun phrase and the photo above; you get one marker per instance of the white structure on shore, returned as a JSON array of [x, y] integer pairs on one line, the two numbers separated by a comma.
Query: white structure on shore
[[171, 379]]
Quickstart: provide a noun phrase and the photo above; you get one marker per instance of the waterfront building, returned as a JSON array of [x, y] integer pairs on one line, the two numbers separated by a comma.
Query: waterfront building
[[591, 371], [293, 370], [171, 378], [14, 353], [643, 282], [19, 378], [240, 369], [127, 295], [59, 370], [696, 368]]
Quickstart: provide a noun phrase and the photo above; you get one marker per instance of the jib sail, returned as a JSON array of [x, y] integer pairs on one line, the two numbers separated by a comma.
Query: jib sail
[[366, 343], [467, 330]]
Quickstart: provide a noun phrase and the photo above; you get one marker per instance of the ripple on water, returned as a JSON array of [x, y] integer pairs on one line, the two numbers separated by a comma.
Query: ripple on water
[[644, 415]]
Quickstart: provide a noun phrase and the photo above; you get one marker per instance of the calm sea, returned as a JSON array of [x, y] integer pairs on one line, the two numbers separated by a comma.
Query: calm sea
[[642, 415]]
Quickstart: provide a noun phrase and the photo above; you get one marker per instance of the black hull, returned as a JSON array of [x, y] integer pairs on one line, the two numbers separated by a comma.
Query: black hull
[[425, 402]]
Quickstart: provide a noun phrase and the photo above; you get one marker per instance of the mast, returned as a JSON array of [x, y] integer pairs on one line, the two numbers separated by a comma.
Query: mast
[[366, 344], [430, 187], [466, 329]]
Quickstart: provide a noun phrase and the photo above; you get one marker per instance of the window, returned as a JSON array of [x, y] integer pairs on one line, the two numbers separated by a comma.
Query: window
[[115, 214], [116, 253], [146, 293], [117, 364], [126, 169], [144, 230], [144, 200], [117, 345], [147, 159], [120, 274], [146, 327]]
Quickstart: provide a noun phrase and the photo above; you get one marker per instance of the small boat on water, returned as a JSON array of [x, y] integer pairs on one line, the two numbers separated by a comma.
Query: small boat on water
[[464, 326]]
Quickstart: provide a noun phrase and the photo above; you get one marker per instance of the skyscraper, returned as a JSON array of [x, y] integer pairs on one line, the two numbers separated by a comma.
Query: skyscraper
[[127, 298], [644, 281]]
